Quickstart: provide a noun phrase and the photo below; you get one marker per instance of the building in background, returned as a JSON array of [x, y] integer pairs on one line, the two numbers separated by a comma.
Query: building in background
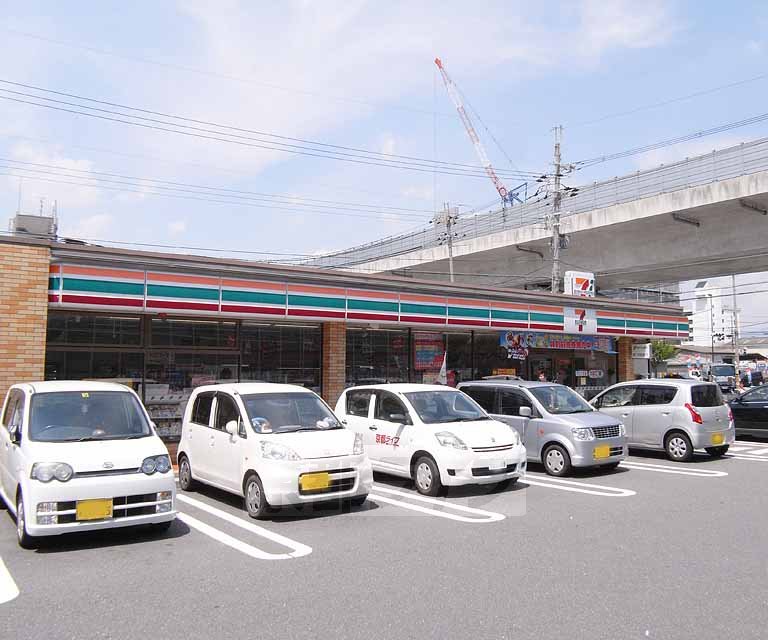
[[711, 319]]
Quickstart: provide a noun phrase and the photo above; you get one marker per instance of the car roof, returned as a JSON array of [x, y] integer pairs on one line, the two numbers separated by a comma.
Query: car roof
[[528, 384], [683, 382], [247, 388], [403, 387], [53, 386]]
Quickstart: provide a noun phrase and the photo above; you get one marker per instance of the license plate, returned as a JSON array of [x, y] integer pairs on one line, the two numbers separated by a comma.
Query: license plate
[[312, 481], [497, 464], [602, 452], [718, 438], [94, 509]]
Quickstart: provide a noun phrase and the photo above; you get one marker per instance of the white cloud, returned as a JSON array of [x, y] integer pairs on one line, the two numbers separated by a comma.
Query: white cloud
[[176, 228], [684, 150], [754, 47], [418, 192], [96, 227], [387, 144]]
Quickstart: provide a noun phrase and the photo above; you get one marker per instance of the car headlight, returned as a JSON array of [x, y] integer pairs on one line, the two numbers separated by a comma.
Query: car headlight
[[276, 451], [447, 439], [515, 437], [582, 433], [622, 429], [358, 448], [161, 464], [47, 471]]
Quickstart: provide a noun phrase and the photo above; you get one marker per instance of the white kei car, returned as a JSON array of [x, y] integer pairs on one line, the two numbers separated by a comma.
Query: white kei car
[[77, 456], [273, 444], [436, 435]]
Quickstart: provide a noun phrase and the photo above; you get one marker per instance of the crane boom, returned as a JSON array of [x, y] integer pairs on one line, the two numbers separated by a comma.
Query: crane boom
[[450, 87]]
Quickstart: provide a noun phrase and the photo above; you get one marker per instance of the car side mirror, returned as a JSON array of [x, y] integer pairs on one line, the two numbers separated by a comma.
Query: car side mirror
[[525, 412], [397, 417], [231, 427], [14, 431]]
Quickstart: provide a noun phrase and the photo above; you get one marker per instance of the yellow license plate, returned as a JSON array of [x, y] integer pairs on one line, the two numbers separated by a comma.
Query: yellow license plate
[[94, 509], [602, 452], [312, 481], [718, 438]]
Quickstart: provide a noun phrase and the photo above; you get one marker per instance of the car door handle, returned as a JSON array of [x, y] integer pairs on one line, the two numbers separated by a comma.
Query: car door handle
[[666, 413], [372, 428], [625, 415]]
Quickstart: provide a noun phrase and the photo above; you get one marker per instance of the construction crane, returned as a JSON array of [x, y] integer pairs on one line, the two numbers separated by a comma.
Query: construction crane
[[453, 92]]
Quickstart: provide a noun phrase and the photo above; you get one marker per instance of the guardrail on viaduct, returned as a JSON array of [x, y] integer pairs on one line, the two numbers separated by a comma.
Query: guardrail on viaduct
[[743, 159]]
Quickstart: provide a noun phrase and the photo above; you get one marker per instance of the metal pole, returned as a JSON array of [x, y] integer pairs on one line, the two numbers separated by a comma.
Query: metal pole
[[556, 214], [711, 334], [448, 226], [735, 328]]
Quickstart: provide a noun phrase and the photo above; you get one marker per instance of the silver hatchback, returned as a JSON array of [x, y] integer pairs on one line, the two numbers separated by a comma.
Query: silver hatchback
[[676, 416], [558, 427]]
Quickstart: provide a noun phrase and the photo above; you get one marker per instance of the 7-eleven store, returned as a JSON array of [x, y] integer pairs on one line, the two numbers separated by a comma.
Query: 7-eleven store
[[166, 323]]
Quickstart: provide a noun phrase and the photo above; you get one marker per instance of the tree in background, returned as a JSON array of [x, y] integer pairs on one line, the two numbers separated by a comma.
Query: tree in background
[[661, 352]]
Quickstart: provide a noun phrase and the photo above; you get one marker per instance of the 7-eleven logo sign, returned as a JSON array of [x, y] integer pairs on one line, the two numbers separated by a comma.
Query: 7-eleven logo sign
[[580, 320], [584, 284]]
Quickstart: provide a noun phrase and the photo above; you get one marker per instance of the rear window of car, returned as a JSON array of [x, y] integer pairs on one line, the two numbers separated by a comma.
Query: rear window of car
[[706, 395]]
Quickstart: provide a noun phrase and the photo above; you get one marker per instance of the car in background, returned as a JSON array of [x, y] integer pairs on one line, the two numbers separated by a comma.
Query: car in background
[[725, 376], [750, 412], [435, 435], [558, 427], [272, 444], [676, 416], [78, 456]]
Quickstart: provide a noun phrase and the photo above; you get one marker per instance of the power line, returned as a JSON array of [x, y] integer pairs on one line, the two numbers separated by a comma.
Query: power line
[[329, 149]]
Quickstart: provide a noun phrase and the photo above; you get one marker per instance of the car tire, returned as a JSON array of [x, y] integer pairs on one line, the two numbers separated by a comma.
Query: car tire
[[678, 447], [358, 501], [186, 483], [255, 500], [717, 452], [426, 477], [556, 461], [25, 540]]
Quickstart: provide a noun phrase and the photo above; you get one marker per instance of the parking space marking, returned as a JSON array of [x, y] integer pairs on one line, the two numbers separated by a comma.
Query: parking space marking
[[663, 468], [482, 515], [754, 452], [578, 487], [747, 443], [8, 589], [745, 456], [298, 549]]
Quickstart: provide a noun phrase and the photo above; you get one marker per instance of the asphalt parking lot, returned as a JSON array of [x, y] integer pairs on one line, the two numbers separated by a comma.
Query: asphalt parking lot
[[654, 549]]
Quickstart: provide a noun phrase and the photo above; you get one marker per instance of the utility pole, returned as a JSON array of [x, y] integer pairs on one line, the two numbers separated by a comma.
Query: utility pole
[[448, 217], [555, 220], [711, 333], [735, 328]]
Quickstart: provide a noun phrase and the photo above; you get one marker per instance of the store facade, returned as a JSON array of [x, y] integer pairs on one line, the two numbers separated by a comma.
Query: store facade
[[165, 324]]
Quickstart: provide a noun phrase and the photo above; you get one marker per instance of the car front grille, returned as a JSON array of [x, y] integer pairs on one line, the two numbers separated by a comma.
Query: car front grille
[[341, 480], [140, 504], [617, 451], [485, 471], [499, 447], [612, 431]]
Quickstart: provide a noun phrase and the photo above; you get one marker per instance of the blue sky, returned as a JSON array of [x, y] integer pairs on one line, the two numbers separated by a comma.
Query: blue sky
[[359, 74]]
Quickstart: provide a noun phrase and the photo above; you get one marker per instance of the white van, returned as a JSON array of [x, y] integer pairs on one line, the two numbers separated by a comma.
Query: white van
[[77, 456], [273, 444]]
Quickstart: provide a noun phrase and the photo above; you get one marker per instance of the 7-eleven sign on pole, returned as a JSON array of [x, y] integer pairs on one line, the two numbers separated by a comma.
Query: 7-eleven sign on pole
[[580, 283]]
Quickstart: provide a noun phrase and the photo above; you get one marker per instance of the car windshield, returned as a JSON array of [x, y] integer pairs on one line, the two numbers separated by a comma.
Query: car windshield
[[288, 412], [560, 399], [723, 370], [78, 416], [434, 407]]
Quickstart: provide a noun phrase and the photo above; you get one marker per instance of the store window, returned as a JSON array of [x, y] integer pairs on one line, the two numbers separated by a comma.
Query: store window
[[284, 354], [109, 366], [459, 357], [492, 358], [193, 333], [376, 356], [428, 350], [92, 329]]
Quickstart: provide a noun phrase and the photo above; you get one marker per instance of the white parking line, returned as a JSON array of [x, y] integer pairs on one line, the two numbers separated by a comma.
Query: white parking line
[[8, 589], [298, 549], [747, 443], [482, 515], [578, 487], [745, 456], [755, 452], [662, 468]]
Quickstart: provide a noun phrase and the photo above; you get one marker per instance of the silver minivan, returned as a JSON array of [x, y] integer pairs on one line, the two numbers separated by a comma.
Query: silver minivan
[[558, 427], [672, 415]]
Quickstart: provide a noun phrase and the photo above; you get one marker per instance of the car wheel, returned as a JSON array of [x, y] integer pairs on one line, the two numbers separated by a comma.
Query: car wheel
[[717, 452], [358, 501], [185, 475], [557, 462], [678, 447], [255, 501], [25, 540], [427, 477]]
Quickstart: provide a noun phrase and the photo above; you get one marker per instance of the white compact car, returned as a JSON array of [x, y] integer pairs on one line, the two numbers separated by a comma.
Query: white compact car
[[273, 444], [76, 456], [436, 435]]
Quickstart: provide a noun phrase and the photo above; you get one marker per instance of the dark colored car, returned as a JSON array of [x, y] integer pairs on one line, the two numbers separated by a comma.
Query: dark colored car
[[750, 412]]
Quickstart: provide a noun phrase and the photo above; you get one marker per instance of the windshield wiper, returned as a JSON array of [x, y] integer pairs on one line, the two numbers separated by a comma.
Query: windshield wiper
[[475, 419]]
